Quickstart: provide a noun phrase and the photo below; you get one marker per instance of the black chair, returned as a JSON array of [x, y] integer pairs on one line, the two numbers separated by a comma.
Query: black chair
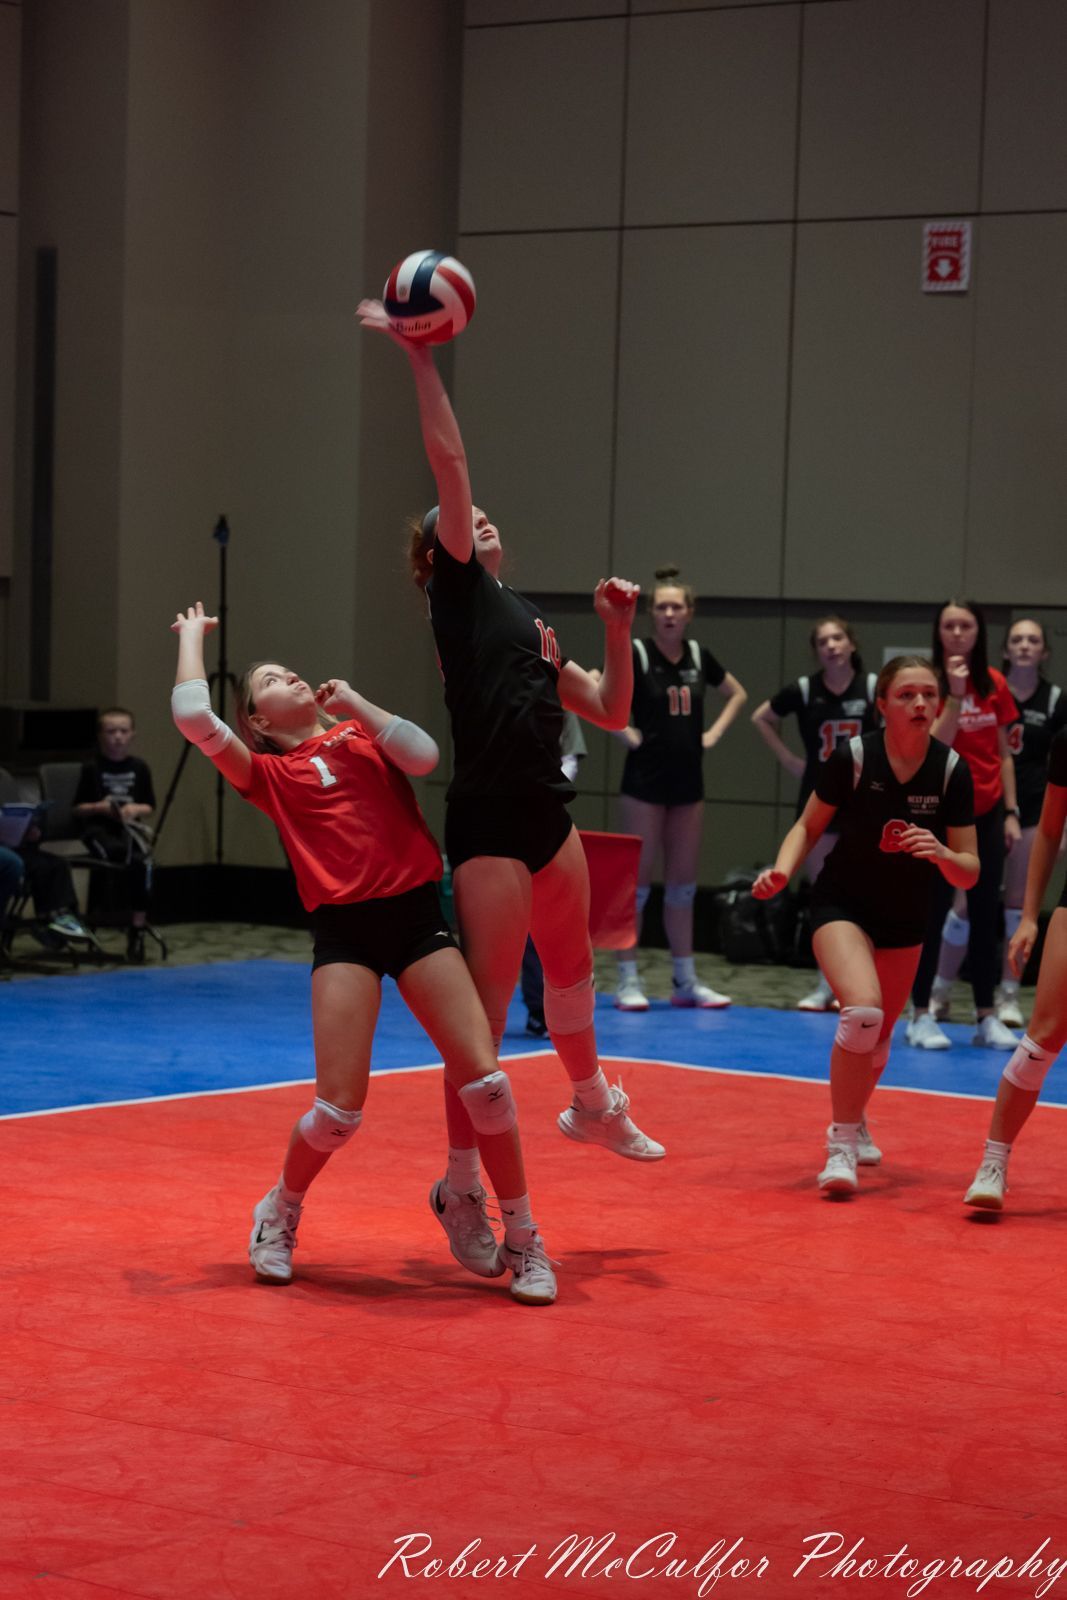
[[62, 828]]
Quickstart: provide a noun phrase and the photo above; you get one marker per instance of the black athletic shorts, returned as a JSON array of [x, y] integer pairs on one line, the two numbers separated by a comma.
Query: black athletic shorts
[[385, 935], [882, 934], [530, 830]]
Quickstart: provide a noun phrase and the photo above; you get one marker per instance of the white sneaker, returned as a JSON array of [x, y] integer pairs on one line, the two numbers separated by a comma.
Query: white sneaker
[[993, 1035], [821, 998], [629, 996], [924, 1034], [1008, 1011], [532, 1279], [470, 1234], [941, 1001], [839, 1174], [273, 1238], [867, 1152], [697, 994], [987, 1190], [611, 1128]]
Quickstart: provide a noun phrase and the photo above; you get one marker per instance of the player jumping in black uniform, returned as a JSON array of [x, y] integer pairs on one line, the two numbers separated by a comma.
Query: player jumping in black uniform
[[904, 806], [518, 866]]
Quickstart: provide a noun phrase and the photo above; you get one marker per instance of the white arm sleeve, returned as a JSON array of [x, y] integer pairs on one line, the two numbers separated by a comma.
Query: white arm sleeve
[[408, 747], [190, 706]]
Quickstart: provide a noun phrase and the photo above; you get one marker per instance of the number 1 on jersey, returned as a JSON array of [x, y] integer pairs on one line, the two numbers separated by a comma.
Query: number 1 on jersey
[[326, 777]]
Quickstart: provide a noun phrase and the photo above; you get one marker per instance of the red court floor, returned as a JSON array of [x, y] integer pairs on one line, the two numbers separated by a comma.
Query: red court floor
[[732, 1356]]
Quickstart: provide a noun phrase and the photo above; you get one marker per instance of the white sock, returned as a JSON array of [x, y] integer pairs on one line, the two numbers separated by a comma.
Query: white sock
[[996, 1151], [592, 1094], [1009, 988], [627, 971], [290, 1197], [942, 986], [846, 1133], [518, 1221], [685, 972], [464, 1170]]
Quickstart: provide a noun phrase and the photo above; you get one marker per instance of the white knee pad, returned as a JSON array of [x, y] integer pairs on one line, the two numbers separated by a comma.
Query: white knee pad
[[1013, 915], [490, 1103], [679, 894], [1028, 1065], [859, 1028], [570, 1010], [641, 895], [956, 930], [326, 1128]]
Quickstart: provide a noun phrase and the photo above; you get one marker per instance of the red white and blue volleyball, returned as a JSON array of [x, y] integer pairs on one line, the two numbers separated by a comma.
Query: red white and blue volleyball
[[429, 297]]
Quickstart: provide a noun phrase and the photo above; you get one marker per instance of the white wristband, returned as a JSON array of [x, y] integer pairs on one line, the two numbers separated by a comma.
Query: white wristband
[[408, 747], [190, 706]]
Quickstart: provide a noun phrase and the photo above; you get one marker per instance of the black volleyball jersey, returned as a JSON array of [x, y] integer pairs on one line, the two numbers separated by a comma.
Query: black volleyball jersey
[[826, 720], [667, 768], [867, 869], [1030, 740], [501, 665]]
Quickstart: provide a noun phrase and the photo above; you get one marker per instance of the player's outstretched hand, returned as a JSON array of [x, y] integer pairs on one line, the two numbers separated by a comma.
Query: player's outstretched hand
[[194, 619], [372, 314], [769, 883], [1021, 946], [615, 601]]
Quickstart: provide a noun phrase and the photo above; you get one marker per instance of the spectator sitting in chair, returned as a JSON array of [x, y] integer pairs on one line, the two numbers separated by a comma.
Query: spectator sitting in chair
[[114, 799]]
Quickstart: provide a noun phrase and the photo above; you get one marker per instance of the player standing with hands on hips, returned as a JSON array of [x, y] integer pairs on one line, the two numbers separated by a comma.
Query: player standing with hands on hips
[[904, 809]]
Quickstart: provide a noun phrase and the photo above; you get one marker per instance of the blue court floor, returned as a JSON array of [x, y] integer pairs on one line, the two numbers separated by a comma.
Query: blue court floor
[[151, 1032]]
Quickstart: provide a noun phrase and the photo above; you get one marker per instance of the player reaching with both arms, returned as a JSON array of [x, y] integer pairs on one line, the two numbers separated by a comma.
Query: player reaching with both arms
[[903, 803], [366, 868], [517, 862]]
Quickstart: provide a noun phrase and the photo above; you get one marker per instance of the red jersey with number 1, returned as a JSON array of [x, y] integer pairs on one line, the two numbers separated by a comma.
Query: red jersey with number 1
[[348, 818]]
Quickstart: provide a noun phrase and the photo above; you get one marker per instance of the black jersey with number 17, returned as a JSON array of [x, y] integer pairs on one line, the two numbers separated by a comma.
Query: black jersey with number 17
[[501, 666], [825, 719], [868, 870]]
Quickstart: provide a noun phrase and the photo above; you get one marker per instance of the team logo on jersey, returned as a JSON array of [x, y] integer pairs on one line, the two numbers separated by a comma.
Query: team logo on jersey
[[854, 708], [338, 738], [891, 836]]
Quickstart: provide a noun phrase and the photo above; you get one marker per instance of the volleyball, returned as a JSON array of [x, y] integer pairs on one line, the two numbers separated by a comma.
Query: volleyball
[[429, 297]]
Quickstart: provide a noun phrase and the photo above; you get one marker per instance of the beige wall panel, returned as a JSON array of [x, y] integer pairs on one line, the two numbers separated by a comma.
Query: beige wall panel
[[890, 118], [542, 126], [8, 277], [479, 13], [1017, 546], [737, 769], [1025, 157], [244, 258], [10, 64], [534, 391], [878, 429], [639, 6], [702, 399], [711, 117]]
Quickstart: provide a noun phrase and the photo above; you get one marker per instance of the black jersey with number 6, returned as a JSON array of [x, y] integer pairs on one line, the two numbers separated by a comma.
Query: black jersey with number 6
[[868, 871], [826, 720], [667, 768], [501, 666], [1029, 740]]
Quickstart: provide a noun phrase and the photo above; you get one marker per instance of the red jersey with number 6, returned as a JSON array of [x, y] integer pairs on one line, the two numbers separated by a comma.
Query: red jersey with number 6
[[348, 818]]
